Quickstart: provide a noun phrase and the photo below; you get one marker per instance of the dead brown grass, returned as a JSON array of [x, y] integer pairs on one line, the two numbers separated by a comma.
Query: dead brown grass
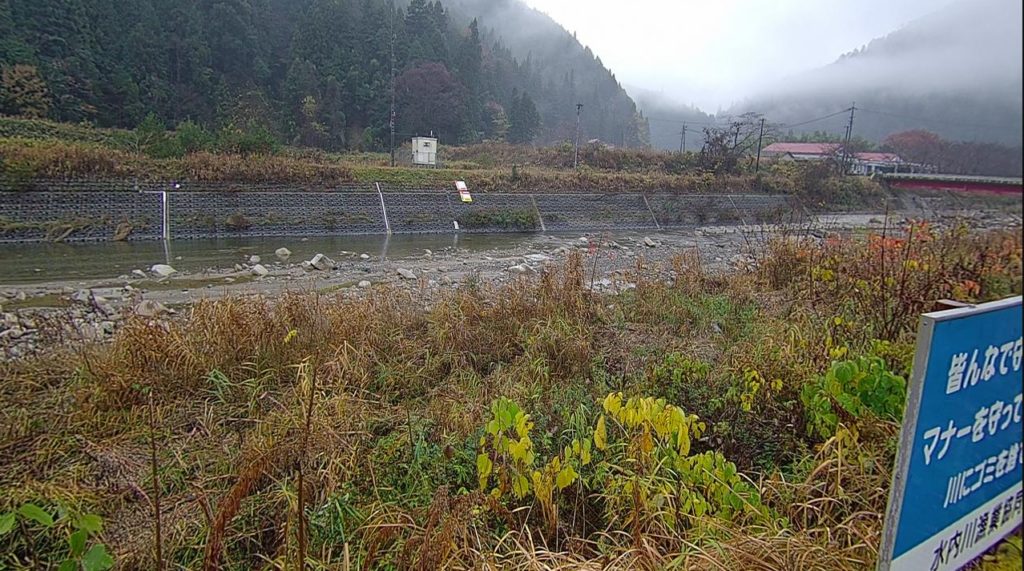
[[387, 435]]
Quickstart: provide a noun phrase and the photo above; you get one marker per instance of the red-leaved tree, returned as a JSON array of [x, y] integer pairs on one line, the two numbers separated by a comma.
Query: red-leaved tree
[[430, 99]]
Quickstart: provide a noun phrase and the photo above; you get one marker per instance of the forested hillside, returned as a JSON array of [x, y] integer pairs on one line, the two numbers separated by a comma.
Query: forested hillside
[[309, 72], [956, 72], [667, 119]]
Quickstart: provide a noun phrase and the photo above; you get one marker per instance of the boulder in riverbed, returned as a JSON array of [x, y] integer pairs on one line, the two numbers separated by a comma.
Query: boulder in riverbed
[[322, 263], [163, 270], [520, 269], [283, 254], [150, 308]]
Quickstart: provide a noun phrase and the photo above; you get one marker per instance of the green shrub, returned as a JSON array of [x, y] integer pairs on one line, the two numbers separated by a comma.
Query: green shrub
[[851, 389], [192, 137], [247, 140], [38, 525]]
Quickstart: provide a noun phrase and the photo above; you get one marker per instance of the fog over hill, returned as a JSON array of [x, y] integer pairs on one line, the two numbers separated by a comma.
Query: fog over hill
[[956, 72]]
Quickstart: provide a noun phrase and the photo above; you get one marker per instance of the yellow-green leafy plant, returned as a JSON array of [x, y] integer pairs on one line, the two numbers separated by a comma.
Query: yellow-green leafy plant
[[508, 460], [650, 473], [753, 387], [639, 460]]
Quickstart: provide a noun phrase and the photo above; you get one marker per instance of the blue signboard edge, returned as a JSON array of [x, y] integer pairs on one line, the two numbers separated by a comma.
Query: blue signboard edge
[[904, 451]]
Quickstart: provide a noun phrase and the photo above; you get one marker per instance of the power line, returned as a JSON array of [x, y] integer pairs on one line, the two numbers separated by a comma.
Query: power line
[[838, 113], [391, 119], [686, 121], [849, 133], [829, 116], [719, 124], [926, 120], [576, 147]]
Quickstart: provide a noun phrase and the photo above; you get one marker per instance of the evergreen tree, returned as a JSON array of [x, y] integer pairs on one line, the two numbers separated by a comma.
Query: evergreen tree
[[525, 121], [292, 68]]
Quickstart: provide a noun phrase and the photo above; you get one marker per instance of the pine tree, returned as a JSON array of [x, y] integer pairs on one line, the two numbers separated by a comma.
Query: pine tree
[[525, 119]]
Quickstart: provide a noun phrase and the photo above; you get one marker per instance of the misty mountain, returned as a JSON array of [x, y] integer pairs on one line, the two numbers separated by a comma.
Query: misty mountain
[[310, 72], [667, 117], [956, 72], [563, 69]]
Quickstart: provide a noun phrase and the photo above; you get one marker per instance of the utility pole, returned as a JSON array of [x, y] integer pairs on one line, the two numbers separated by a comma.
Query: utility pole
[[576, 152], [760, 136], [849, 133], [392, 119], [682, 139]]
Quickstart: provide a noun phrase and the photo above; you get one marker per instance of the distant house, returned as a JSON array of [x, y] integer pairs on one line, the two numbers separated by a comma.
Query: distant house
[[600, 143], [860, 163], [800, 151], [876, 163]]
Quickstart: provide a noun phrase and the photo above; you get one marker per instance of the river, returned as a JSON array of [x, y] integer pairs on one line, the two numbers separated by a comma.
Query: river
[[50, 262]]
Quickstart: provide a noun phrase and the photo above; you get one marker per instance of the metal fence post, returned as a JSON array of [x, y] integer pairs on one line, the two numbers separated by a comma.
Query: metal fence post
[[649, 209], [383, 209], [539, 217], [165, 211]]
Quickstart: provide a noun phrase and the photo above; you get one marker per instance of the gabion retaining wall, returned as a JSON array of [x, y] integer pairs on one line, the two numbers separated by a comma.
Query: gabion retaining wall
[[78, 213], [223, 214], [83, 216], [566, 212], [498, 213]]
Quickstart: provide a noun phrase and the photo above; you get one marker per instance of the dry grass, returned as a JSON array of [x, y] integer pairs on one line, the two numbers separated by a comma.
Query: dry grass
[[386, 438], [25, 160]]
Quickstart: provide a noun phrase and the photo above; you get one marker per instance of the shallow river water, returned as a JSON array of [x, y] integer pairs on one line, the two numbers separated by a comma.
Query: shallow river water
[[45, 262]]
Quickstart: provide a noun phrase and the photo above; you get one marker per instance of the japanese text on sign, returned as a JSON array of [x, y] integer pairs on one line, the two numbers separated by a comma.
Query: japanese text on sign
[[962, 375], [959, 465]]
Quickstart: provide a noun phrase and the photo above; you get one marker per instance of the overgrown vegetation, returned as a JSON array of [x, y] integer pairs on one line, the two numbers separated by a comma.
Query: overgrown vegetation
[[743, 420], [39, 151]]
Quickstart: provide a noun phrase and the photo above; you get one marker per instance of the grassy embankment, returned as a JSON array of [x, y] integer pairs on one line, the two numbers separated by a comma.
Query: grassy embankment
[[31, 150], [704, 422]]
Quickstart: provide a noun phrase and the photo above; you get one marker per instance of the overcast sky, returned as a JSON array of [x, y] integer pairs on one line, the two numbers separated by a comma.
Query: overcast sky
[[712, 53]]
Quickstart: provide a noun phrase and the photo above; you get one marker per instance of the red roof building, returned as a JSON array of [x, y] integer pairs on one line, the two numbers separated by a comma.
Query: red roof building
[[800, 151], [861, 163]]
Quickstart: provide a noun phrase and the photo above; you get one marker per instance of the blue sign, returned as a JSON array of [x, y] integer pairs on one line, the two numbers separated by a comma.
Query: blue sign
[[957, 484]]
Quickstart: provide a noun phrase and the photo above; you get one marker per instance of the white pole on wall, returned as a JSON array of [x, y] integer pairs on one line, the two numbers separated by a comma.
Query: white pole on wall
[[539, 217], [383, 208], [649, 209], [166, 222]]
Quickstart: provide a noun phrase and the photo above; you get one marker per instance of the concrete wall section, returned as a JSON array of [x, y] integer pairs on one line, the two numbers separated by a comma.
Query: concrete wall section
[[570, 212], [93, 214], [83, 216], [420, 212], [497, 213], [220, 214], [696, 209]]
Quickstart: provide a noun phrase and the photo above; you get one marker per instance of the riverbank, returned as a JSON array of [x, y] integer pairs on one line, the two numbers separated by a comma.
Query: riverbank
[[101, 285], [367, 415]]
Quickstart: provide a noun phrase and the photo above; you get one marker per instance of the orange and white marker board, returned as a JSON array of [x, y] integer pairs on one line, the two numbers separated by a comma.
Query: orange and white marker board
[[463, 191]]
